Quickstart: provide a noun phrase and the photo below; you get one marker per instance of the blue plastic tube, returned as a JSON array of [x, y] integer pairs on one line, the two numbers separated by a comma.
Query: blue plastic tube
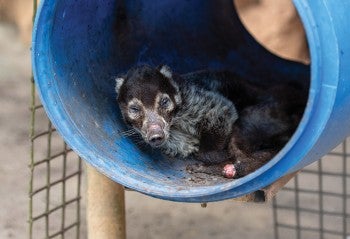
[[78, 46]]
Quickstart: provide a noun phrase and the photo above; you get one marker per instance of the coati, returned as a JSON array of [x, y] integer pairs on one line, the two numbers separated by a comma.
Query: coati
[[228, 124], [174, 114]]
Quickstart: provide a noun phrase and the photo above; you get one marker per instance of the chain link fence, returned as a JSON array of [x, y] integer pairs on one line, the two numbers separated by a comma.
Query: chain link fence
[[316, 203], [55, 178]]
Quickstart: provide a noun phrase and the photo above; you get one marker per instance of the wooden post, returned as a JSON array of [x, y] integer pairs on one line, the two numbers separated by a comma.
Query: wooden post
[[105, 207]]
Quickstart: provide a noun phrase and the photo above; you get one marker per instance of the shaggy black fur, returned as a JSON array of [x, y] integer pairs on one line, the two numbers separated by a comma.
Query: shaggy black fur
[[204, 122]]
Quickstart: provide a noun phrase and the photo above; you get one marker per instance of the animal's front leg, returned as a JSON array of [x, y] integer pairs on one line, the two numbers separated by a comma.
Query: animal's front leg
[[212, 162], [245, 163], [212, 148], [234, 165], [213, 157]]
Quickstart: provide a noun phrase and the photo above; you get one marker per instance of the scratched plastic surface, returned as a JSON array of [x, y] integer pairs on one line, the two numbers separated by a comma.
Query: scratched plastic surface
[[79, 46]]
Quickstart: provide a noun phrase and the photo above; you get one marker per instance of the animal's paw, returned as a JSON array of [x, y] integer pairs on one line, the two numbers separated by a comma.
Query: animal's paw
[[229, 171]]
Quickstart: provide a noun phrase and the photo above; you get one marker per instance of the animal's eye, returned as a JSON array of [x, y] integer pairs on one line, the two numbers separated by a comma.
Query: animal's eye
[[164, 102], [134, 109]]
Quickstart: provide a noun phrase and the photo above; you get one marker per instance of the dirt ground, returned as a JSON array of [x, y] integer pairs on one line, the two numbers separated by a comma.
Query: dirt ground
[[14, 113], [146, 217]]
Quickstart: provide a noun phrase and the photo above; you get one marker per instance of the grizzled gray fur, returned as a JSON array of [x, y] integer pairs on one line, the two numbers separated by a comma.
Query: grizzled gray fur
[[201, 111]]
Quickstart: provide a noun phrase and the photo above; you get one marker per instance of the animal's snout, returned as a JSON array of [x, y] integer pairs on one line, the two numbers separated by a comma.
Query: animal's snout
[[155, 135], [156, 140]]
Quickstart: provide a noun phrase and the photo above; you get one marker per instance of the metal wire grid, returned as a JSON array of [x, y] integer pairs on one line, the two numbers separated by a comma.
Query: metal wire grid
[[55, 187], [316, 204], [55, 178]]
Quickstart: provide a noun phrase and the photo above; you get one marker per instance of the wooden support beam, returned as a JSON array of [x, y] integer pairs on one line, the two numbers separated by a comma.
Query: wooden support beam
[[105, 207]]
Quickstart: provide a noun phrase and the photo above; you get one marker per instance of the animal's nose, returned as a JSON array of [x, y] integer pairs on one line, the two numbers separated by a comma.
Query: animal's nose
[[156, 140], [155, 135]]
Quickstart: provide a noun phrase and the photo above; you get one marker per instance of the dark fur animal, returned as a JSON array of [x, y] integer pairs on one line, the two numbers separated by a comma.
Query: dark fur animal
[[174, 114], [268, 116], [194, 115]]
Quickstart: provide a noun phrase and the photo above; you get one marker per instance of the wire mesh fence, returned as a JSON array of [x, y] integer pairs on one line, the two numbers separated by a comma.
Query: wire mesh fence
[[55, 181], [316, 204], [55, 178]]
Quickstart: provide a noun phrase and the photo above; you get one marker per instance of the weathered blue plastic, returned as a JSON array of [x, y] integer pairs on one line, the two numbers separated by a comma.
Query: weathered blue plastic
[[78, 46]]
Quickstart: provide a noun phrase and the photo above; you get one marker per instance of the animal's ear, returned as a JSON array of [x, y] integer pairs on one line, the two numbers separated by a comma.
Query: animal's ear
[[166, 71], [118, 83]]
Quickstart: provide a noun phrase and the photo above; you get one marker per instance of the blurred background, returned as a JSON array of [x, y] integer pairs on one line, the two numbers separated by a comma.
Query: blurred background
[[43, 184]]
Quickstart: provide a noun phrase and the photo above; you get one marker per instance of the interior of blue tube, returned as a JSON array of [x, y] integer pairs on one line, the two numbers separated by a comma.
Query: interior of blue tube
[[89, 50]]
